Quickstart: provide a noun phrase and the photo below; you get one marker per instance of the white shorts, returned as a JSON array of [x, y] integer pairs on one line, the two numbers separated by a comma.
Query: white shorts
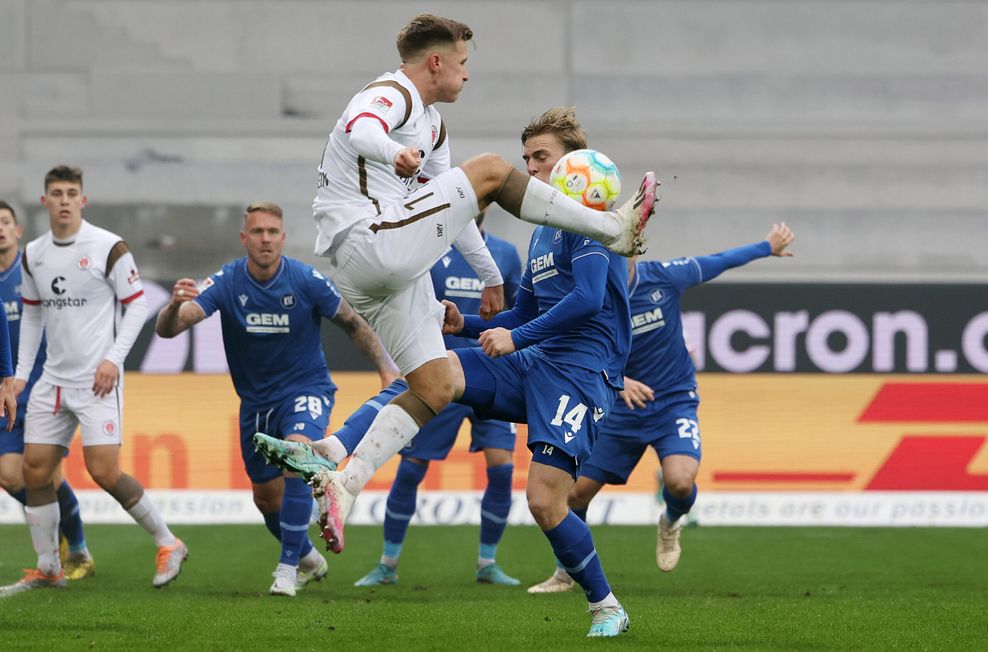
[[381, 264], [54, 412]]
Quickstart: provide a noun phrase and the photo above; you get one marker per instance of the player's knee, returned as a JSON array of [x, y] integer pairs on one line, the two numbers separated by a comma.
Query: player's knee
[[11, 483], [35, 474], [105, 476], [546, 510], [486, 172], [435, 395], [267, 504], [680, 486]]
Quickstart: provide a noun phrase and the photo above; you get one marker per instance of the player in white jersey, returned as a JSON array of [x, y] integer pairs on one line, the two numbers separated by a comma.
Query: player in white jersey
[[388, 207], [76, 278]]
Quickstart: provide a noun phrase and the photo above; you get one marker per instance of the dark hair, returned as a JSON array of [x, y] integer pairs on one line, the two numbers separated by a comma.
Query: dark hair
[[4, 205], [426, 30], [63, 173], [560, 121]]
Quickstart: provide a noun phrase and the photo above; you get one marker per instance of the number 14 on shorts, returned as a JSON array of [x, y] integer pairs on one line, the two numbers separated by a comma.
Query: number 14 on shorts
[[574, 417]]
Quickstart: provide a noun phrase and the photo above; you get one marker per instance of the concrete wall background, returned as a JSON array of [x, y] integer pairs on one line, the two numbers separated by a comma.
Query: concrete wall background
[[864, 124]]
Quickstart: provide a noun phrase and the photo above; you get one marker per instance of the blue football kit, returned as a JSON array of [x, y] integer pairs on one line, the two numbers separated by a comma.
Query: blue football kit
[[271, 335], [10, 292], [659, 359], [454, 280], [572, 332]]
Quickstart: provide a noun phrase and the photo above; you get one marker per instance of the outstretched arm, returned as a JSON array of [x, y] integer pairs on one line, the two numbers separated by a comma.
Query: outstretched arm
[[182, 313], [366, 341], [774, 244]]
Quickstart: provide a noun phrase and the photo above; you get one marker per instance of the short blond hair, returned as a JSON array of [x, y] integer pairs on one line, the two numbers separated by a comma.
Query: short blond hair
[[560, 121], [268, 207]]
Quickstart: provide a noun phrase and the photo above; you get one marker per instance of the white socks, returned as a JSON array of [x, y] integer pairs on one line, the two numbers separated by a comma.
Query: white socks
[[42, 521], [546, 206], [391, 431], [608, 601], [149, 518], [331, 448]]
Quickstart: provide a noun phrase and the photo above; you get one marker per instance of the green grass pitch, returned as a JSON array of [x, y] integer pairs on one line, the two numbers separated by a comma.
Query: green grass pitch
[[735, 588]]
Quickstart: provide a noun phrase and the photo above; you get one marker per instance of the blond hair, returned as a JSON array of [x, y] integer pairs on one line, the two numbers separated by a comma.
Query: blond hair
[[560, 121]]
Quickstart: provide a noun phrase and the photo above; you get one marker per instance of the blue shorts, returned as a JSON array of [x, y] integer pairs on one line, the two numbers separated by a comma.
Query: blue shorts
[[669, 426], [305, 414], [562, 405], [436, 438], [13, 441]]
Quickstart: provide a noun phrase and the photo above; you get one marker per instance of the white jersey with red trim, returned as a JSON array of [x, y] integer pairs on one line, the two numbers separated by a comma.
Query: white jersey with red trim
[[80, 299], [351, 187]]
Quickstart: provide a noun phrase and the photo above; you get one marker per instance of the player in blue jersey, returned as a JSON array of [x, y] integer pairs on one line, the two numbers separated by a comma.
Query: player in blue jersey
[[77, 562], [454, 279], [660, 395], [271, 309], [555, 361]]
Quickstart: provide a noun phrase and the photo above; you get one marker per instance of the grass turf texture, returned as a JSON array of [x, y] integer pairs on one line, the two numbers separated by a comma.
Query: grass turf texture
[[737, 588]]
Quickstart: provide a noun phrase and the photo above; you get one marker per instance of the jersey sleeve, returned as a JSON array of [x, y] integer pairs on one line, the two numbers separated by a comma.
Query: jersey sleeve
[[511, 271], [682, 273], [439, 159], [6, 366], [525, 309], [211, 292], [590, 262], [325, 297], [123, 275], [388, 103], [29, 291]]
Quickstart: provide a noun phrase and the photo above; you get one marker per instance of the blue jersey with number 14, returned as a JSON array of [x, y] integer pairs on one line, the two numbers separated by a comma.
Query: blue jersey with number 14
[[271, 330]]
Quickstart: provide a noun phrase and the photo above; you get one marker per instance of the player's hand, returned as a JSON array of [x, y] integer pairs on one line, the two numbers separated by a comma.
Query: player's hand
[[8, 396], [106, 378], [184, 290], [407, 162], [780, 237], [452, 320], [636, 394], [497, 342], [19, 386], [491, 301]]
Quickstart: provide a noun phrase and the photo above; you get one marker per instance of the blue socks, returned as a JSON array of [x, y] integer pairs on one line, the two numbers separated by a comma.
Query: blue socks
[[70, 523], [359, 423], [573, 545], [296, 510], [494, 508], [272, 522], [676, 507], [401, 506]]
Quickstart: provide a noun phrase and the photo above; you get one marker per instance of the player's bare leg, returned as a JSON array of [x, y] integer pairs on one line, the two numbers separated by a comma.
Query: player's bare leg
[[572, 543], [679, 490], [579, 499], [103, 464], [430, 389], [621, 230]]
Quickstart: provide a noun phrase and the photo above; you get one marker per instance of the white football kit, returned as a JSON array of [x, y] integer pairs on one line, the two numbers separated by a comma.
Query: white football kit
[[77, 289], [382, 237]]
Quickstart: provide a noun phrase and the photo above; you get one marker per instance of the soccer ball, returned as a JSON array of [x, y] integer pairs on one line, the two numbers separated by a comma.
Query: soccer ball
[[589, 177]]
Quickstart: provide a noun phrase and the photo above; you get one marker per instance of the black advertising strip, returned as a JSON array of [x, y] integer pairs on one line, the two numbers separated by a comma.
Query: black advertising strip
[[755, 328]]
